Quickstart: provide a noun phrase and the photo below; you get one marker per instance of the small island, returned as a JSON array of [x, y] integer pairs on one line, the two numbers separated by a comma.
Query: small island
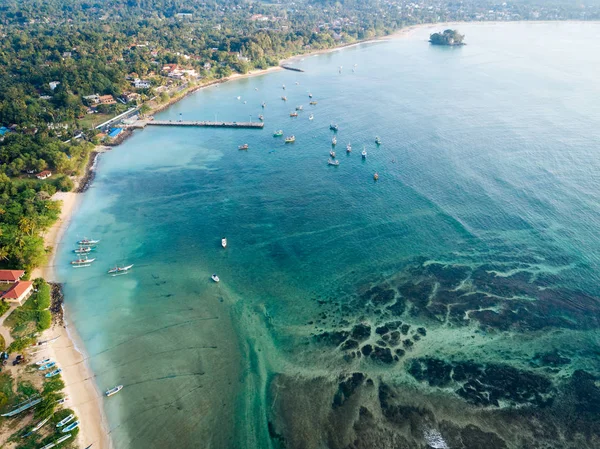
[[449, 37]]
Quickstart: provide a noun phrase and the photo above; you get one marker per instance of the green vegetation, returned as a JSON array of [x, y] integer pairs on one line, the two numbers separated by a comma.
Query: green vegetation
[[4, 306], [448, 37], [6, 390], [21, 343], [53, 384], [33, 316]]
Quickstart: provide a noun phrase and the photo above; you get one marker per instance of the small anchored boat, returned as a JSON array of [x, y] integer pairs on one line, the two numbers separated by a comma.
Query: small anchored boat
[[332, 154], [284, 98], [118, 269], [88, 242], [334, 141], [113, 390], [299, 108], [293, 114], [66, 420], [261, 118], [333, 127], [378, 140], [70, 427], [376, 176], [283, 87], [313, 103], [309, 95], [310, 117], [290, 139], [330, 162], [224, 242], [243, 147], [215, 278], [82, 250], [263, 105], [278, 133], [364, 153], [82, 262], [348, 148], [56, 372]]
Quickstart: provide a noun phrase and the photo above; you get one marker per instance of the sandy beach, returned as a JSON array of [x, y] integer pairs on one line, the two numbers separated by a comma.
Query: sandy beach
[[84, 397]]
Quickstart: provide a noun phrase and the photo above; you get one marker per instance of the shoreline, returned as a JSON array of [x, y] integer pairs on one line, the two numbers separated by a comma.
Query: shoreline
[[68, 351]]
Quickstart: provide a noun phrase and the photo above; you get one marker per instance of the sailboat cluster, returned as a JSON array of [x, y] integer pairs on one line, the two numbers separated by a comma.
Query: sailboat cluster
[[84, 248], [333, 127]]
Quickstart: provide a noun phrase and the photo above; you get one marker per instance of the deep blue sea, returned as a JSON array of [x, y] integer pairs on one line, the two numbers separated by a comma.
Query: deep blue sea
[[452, 303]]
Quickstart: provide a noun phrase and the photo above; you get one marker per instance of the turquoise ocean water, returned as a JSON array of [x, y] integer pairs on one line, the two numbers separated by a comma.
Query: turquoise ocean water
[[452, 303]]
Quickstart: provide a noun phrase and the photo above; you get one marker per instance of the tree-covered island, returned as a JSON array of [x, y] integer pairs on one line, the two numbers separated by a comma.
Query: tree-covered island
[[448, 37]]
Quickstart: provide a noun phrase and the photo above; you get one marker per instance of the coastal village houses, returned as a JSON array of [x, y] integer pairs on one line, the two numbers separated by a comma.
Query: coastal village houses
[[18, 292], [107, 99], [11, 276]]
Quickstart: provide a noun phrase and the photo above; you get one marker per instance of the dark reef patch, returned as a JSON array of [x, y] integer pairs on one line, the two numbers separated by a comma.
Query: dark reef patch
[[346, 388], [485, 385]]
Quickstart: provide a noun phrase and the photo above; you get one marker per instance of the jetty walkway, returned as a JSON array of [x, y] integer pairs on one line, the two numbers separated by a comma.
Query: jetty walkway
[[143, 123]]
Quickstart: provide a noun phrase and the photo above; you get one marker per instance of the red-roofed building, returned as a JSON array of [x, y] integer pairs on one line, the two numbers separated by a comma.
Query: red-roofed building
[[18, 292], [44, 175], [11, 276]]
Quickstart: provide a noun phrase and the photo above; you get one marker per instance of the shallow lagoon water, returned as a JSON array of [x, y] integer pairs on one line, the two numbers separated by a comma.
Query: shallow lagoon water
[[452, 302]]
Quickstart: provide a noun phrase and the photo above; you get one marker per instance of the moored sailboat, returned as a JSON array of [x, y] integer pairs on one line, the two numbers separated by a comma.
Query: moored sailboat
[[118, 269]]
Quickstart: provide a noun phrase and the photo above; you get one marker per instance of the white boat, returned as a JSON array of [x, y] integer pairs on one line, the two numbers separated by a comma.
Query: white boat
[[348, 148], [118, 269], [378, 140], [310, 117], [299, 108], [239, 98], [215, 278], [334, 141], [330, 162], [40, 425], [62, 439], [66, 420], [224, 242], [332, 154], [114, 390], [70, 427], [42, 362], [62, 400], [88, 242], [47, 342], [85, 261], [82, 250], [364, 153], [283, 87], [264, 105]]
